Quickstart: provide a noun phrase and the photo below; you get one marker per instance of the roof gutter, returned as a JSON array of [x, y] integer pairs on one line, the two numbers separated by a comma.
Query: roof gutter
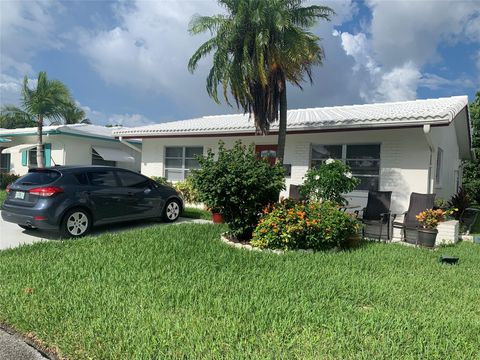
[[120, 138], [428, 138]]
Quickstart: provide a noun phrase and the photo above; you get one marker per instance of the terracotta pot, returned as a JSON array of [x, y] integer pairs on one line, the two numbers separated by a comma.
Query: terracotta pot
[[217, 218], [427, 237]]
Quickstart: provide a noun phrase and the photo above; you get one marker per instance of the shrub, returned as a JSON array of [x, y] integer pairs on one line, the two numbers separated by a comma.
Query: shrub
[[186, 189], [161, 180], [329, 182], [460, 201], [289, 225], [238, 185], [6, 178]]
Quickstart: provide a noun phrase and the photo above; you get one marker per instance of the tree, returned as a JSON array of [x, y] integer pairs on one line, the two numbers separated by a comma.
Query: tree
[[259, 46], [74, 114], [11, 117], [471, 168]]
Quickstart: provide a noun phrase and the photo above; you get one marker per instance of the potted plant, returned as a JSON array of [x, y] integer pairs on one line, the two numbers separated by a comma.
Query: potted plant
[[217, 216], [429, 219]]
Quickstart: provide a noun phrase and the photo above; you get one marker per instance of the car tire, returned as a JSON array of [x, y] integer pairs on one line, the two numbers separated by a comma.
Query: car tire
[[26, 227], [76, 223], [171, 212]]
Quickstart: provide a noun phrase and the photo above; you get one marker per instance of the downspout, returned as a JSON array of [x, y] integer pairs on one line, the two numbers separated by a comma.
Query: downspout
[[426, 132], [129, 145]]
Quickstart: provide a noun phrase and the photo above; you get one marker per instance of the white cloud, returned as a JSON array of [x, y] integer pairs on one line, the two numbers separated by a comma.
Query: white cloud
[[402, 38], [127, 120], [25, 27]]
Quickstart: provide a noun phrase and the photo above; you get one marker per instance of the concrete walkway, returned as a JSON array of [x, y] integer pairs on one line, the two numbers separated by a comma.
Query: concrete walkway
[[11, 235], [12, 347]]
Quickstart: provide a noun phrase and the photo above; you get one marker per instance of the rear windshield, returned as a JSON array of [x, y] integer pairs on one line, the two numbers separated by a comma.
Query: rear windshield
[[38, 177]]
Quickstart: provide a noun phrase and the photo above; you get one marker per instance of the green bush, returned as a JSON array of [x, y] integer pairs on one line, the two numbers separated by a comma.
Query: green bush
[[161, 180], [186, 189], [329, 182], [238, 185], [6, 178], [289, 225]]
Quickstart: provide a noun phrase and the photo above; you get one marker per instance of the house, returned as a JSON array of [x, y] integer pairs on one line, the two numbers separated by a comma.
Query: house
[[76, 144], [403, 147]]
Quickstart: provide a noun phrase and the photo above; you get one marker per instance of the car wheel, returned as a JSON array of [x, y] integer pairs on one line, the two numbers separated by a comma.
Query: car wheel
[[171, 211], [75, 223], [26, 227]]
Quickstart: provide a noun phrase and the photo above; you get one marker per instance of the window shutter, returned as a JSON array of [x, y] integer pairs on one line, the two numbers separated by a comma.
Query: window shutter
[[48, 154], [24, 157]]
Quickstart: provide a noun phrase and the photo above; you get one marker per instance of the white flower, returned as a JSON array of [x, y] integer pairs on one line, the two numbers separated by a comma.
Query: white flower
[[317, 191], [329, 161], [317, 177], [348, 175]]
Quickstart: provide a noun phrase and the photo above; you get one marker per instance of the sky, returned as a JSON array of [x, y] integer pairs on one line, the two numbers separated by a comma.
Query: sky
[[125, 62]]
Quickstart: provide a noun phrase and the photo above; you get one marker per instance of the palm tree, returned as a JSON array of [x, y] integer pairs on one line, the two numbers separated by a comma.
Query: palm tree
[[74, 114], [259, 46], [47, 100], [11, 117]]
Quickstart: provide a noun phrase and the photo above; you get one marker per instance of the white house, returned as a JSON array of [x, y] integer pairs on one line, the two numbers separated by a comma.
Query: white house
[[403, 147], [78, 144]]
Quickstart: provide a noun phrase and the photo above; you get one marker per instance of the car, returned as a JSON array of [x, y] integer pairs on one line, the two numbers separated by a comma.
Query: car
[[73, 199]]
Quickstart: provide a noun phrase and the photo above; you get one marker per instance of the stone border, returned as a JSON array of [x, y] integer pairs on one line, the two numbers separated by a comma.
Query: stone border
[[252, 248]]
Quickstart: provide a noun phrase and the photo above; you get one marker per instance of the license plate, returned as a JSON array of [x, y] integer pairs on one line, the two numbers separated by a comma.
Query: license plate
[[19, 195]]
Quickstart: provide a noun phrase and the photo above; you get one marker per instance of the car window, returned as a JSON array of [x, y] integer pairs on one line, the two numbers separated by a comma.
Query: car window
[[102, 178], [81, 178], [39, 177], [129, 179]]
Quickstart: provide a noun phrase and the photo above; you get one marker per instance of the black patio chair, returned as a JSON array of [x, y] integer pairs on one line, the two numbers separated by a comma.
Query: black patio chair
[[410, 224], [294, 193], [377, 214]]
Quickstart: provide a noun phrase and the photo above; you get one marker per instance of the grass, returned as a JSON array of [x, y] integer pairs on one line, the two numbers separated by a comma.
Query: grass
[[178, 292], [3, 196], [196, 213]]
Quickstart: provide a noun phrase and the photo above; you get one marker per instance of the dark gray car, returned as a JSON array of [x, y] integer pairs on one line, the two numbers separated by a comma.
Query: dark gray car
[[72, 199]]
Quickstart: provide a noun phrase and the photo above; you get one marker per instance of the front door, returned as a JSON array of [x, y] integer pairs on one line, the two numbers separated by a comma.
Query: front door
[[268, 152]]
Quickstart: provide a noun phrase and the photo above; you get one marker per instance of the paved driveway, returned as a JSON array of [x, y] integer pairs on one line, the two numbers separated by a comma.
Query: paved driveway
[[11, 235]]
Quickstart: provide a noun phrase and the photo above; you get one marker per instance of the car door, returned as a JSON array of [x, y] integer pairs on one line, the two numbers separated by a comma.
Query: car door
[[140, 198], [106, 195]]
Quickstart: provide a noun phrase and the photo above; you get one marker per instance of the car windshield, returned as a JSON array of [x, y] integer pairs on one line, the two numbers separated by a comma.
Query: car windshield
[[38, 177]]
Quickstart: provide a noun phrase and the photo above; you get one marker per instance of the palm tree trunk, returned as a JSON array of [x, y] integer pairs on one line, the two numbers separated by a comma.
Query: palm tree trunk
[[282, 125], [40, 154]]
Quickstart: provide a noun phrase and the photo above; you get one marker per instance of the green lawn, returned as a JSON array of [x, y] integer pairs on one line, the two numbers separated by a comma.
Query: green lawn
[[178, 292], [195, 213]]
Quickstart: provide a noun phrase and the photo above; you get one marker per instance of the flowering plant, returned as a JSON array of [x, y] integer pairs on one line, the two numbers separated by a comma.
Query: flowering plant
[[430, 218], [329, 182], [291, 225]]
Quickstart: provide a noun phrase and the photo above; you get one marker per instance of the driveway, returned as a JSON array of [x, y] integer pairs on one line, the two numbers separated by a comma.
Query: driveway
[[11, 235]]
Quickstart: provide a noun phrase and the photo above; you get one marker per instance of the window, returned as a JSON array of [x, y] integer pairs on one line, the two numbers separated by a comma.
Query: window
[[81, 178], [129, 179], [98, 160], [32, 158], [438, 170], [39, 177], [179, 160], [102, 178], [4, 162], [364, 160]]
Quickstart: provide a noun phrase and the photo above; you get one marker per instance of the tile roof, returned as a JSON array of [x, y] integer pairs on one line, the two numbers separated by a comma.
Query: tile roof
[[405, 113]]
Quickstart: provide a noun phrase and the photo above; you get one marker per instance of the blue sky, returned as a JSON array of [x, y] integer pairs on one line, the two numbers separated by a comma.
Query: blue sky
[[125, 61]]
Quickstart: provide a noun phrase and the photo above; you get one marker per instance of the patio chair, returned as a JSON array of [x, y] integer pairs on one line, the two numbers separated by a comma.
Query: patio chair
[[410, 224], [376, 216], [294, 193]]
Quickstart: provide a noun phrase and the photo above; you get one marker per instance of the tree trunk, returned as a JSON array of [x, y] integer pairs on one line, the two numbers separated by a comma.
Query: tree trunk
[[282, 125], [40, 154]]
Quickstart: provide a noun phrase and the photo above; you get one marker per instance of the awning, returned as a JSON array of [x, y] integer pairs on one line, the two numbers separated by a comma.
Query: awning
[[110, 154], [4, 140], [18, 148]]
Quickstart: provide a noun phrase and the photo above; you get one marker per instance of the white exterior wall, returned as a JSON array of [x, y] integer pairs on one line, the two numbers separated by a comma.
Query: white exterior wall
[[403, 168], [69, 150], [446, 139]]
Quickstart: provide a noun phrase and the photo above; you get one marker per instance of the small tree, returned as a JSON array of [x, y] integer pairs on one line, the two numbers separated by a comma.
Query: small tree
[[329, 182], [239, 185]]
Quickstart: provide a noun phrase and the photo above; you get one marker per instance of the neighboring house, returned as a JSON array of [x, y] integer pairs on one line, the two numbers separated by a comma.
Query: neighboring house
[[77, 144], [412, 146]]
